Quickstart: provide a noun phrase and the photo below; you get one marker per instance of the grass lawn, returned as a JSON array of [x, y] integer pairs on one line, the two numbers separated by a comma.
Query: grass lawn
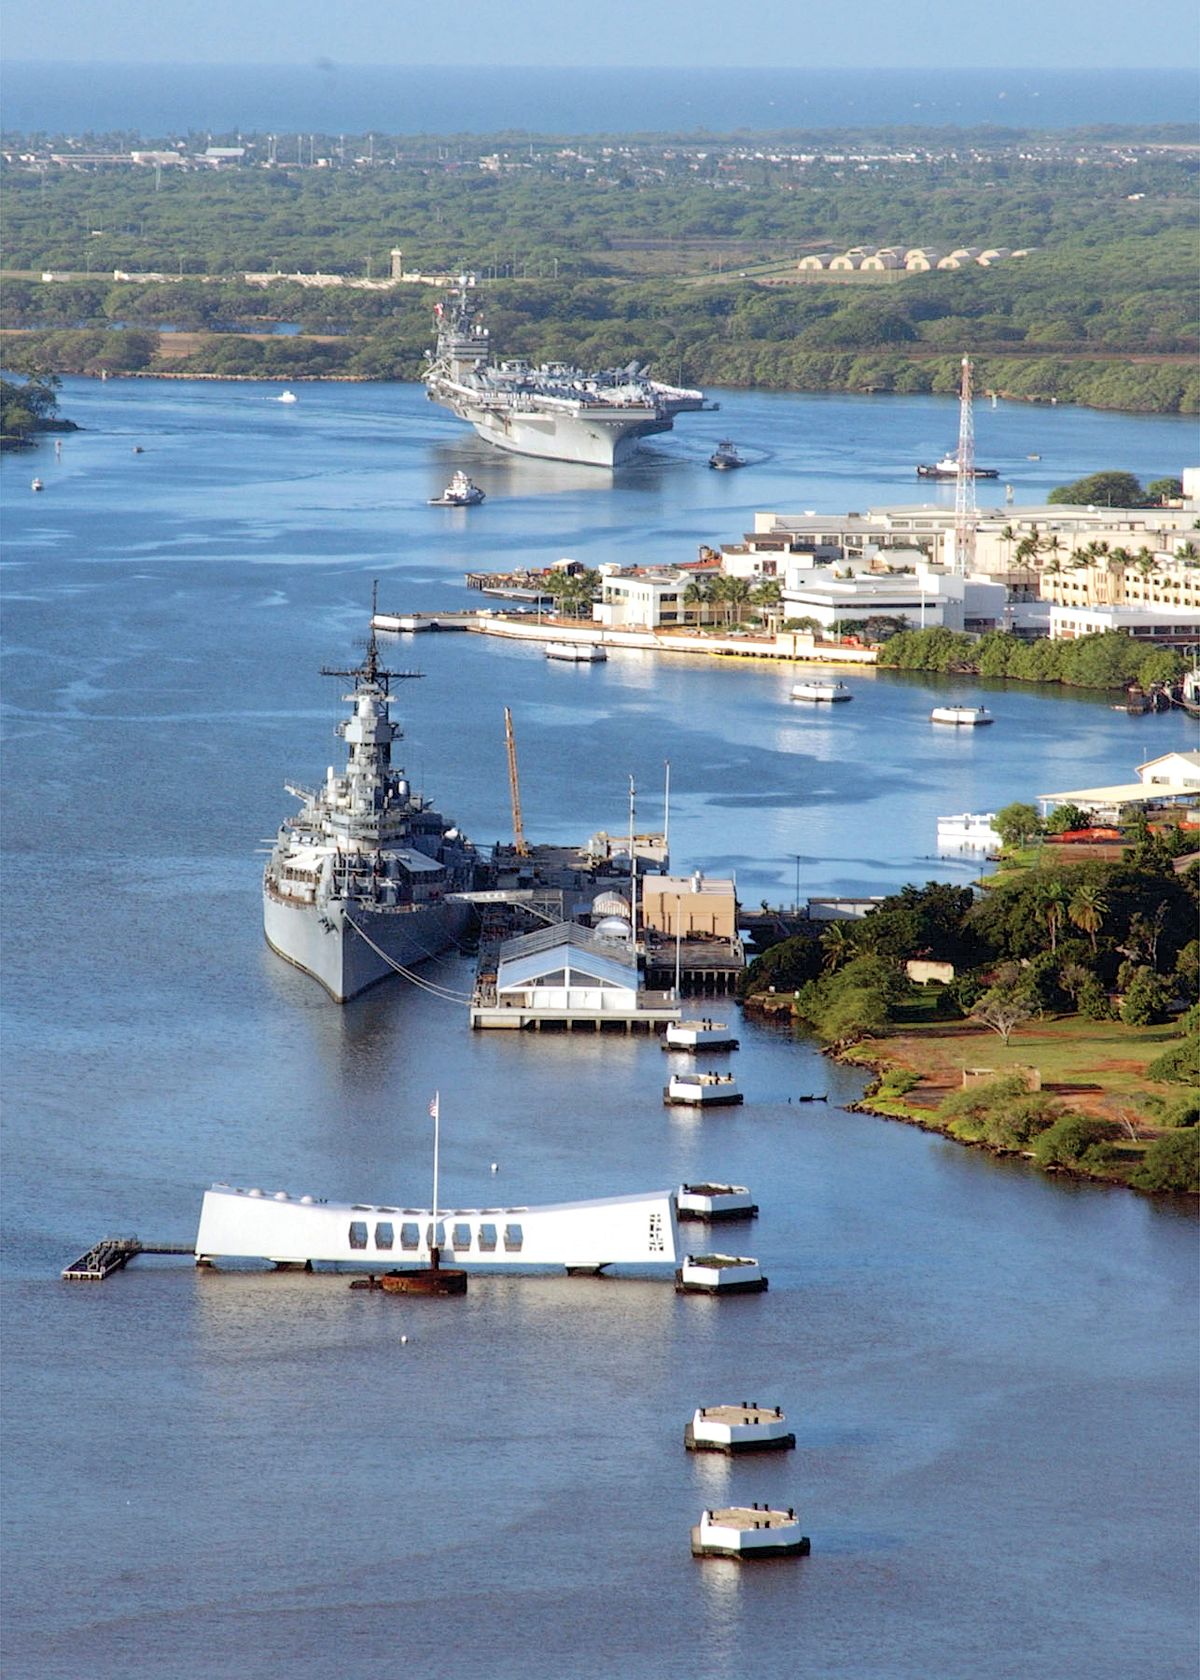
[[1096, 1067]]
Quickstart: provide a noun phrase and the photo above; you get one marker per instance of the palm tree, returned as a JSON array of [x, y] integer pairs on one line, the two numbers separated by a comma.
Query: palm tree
[[766, 594], [1052, 906], [1008, 537], [837, 947], [735, 593], [1087, 910], [698, 594]]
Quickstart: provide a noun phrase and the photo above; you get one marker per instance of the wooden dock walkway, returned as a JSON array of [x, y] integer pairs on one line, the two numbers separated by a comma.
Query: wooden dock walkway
[[112, 1254]]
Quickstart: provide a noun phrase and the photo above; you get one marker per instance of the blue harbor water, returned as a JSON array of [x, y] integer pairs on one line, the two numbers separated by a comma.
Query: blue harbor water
[[171, 99], [991, 1374]]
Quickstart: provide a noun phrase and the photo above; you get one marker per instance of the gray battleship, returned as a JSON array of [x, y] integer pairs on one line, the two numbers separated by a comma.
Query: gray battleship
[[556, 411], [357, 884]]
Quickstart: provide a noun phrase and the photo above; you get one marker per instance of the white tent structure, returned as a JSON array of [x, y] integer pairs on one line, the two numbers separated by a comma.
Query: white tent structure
[[569, 968]]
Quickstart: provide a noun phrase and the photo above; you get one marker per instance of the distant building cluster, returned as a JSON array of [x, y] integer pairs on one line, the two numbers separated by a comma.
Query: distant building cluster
[[1054, 570], [920, 259]]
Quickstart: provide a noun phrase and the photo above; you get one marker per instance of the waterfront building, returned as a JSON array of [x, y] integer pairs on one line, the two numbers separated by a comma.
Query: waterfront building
[[1160, 580], [643, 600], [1012, 543], [1171, 780], [1172, 626], [923, 596], [1173, 769], [688, 906], [568, 968]]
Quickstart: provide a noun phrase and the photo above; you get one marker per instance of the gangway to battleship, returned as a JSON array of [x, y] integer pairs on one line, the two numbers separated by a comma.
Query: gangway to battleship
[[546, 905]]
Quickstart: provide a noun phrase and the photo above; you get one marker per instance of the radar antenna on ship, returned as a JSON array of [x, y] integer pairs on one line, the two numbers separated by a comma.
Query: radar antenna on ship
[[371, 674]]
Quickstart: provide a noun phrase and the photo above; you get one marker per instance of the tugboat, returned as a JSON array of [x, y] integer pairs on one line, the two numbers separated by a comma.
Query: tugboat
[[460, 492], [947, 467], [359, 882], [725, 457]]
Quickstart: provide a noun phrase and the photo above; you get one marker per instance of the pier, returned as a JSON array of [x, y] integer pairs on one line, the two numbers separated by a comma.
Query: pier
[[792, 647], [113, 1254]]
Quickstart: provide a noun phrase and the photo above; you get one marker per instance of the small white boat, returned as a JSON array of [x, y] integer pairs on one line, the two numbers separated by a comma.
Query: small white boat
[[577, 653], [969, 717], [702, 1090], [747, 1532], [821, 688], [738, 1429], [707, 1203], [286, 397], [699, 1035], [719, 1274], [725, 457], [37, 485], [969, 830], [460, 492]]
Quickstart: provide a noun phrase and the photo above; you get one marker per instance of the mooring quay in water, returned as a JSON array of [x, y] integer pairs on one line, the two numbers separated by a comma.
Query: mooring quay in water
[[796, 647]]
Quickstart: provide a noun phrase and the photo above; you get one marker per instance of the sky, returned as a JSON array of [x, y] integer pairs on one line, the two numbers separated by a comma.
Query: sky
[[898, 34]]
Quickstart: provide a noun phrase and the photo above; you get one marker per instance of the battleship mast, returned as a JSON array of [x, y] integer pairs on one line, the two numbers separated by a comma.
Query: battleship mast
[[965, 510]]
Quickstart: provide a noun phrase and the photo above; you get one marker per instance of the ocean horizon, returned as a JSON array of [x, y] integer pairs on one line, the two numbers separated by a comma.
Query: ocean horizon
[[156, 101]]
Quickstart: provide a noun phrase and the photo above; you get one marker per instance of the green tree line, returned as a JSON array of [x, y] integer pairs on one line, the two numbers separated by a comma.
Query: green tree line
[[1109, 659]]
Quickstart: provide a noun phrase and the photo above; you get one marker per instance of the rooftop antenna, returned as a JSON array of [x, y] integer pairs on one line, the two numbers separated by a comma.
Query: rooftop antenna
[[632, 864], [370, 673], [965, 510], [667, 814]]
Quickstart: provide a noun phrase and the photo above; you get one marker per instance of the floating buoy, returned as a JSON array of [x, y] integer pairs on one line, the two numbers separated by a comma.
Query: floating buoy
[[495, 1166], [404, 1341]]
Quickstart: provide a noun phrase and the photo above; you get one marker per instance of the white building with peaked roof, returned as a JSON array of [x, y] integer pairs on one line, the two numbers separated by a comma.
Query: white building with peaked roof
[[1179, 769], [567, 967]]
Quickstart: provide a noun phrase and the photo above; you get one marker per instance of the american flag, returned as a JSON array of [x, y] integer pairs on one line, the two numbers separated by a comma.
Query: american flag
[[433, 1107]]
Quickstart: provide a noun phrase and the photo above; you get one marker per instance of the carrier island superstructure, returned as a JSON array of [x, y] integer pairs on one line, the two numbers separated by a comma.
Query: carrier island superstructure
[[559, 412], [356, 886]]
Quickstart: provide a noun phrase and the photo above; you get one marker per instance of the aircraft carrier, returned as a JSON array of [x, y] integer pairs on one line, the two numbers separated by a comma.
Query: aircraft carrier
[[555, 411]]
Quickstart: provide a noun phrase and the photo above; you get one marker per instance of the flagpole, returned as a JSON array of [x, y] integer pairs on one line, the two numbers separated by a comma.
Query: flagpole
[[435, 1110]]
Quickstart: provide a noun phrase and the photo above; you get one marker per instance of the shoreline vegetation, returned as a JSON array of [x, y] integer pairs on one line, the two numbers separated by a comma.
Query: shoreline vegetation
[[1073, 258], [1107, 659], [1065, 1029], [1155, 384], [28, 410]]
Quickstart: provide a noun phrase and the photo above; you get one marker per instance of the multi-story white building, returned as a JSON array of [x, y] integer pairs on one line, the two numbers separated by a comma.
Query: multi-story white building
[[925, 597], [642, 600], [1174, 626]]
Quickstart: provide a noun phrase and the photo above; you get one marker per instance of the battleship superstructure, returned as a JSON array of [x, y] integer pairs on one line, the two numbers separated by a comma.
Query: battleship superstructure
[[356, 886], [553, 410]]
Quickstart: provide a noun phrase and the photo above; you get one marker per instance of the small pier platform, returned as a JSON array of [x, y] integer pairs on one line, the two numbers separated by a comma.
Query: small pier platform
[[645, 1017], [112, 1254]]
